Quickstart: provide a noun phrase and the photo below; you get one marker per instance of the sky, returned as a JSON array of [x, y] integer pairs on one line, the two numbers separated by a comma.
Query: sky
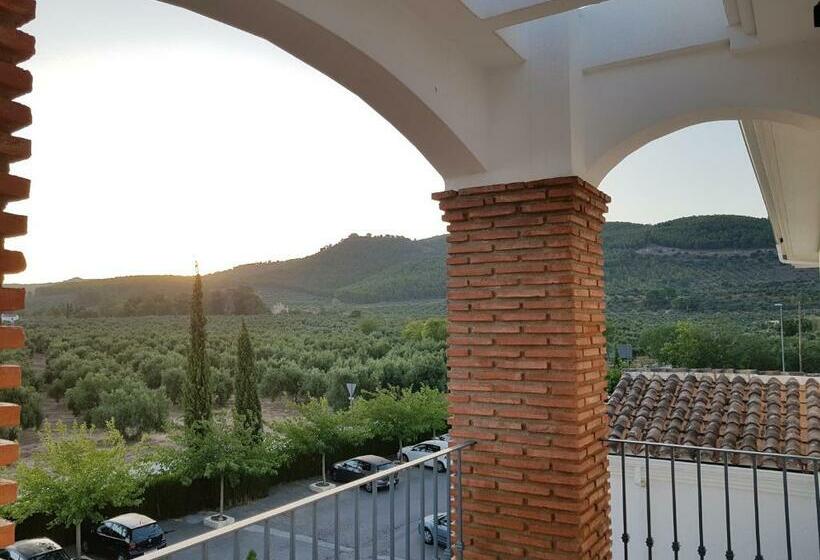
[[162, 138]]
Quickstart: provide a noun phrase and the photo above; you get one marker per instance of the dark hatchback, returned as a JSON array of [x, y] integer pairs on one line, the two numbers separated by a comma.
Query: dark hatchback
[[360, 467], [34, 549], [125, 536]]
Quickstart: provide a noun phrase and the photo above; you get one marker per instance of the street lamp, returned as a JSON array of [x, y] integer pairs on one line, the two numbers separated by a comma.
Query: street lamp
[[782, 343]]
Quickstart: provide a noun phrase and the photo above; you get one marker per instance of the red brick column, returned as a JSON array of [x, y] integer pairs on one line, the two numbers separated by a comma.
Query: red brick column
[[526, 362], [15, 47]]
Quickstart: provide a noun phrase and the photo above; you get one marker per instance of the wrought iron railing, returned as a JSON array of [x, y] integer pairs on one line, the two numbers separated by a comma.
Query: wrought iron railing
[[644, 456], [412, 473]]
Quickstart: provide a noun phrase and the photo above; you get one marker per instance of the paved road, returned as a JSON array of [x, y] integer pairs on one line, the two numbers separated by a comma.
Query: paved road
[[253, 537]]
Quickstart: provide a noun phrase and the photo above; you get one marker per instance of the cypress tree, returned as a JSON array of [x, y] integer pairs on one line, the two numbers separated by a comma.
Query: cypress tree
[[197, 391], [246, 405]]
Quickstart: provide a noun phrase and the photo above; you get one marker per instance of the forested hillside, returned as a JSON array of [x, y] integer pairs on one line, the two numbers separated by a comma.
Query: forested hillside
[[690, 264]]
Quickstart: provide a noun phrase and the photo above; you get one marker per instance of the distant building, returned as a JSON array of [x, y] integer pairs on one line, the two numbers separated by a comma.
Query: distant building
[[278, 308], [9, 319]]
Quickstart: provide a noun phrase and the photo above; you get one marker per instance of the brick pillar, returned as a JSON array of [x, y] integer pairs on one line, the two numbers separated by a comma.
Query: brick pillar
[[526, 359], [15, 47]]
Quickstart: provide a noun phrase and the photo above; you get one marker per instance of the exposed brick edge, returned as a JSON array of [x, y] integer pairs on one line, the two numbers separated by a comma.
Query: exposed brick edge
[[526, 367], [15, 47]]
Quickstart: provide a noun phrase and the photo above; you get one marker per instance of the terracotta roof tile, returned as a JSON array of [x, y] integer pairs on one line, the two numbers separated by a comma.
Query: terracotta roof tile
[[747, 412]]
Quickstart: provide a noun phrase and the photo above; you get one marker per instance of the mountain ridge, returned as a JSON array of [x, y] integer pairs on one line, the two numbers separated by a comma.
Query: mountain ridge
[[698, 256]]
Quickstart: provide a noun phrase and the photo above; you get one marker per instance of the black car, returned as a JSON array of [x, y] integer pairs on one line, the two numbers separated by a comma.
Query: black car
[[34, 549], [125, 536], [360, 467]]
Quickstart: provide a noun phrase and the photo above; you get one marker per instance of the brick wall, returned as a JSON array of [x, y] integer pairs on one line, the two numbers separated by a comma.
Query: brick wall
[[526, 360], [15, 47]]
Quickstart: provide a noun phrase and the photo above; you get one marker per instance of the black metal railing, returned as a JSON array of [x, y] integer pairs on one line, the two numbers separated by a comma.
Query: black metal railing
[[328, 504], [647, 454]]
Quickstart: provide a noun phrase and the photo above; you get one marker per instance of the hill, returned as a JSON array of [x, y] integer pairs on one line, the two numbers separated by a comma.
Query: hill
[[688, 264]]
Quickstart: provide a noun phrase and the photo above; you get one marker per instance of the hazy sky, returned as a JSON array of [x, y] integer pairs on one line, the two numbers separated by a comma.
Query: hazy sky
[[162, 137]]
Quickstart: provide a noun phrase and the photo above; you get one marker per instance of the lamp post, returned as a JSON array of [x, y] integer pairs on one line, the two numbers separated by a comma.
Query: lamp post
[[782, 343], [800, 331]]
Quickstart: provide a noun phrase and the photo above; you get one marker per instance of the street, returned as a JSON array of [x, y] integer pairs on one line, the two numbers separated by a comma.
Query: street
[[252, 538]]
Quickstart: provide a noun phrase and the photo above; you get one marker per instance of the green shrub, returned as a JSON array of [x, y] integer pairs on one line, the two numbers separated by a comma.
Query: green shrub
[[134, 408]]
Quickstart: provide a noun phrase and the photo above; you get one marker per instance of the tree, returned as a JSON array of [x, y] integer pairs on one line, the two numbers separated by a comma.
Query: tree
[[429, 406], [224, 450], [222, 386], [614, 373], [134, 409], [197, 391], [72, 477], [319, 430], [391, 414], [246, 404]]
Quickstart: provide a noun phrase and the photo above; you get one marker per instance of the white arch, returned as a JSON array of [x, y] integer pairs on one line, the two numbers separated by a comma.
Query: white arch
[[560, 95], [636, 141], [568, 94]]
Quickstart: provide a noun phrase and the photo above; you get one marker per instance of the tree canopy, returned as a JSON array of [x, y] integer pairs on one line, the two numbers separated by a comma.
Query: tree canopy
[[72, 477]]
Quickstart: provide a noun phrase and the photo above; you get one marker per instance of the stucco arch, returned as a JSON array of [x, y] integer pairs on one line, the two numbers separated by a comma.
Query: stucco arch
[[303, 29], [630, 144]]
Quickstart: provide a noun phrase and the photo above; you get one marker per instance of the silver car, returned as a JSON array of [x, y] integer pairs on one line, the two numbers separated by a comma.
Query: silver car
[[426, 448], [438, 531]]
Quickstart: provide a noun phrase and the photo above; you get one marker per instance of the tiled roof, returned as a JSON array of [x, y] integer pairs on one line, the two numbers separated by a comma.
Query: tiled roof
[[774, 414]]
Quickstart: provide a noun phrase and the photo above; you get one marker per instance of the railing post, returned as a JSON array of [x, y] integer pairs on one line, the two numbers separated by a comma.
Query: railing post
[[786, 512], [266, 545], [701, 546], [315, 543], [460, 511], [625, 533], [374, 520], [336, 544], [407, 514], [729, 553], [292, 541], [392, 519], [650, 542], [675, 542], [423, 552], [356, 524], [816, 497], [758, 556], [435, 510]]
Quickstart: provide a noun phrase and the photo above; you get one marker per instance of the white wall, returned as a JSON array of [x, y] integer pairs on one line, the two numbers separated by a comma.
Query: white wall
[[772, 524]]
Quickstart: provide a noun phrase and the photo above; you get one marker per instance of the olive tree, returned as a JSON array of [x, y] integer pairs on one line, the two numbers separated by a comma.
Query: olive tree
[[72, 477]]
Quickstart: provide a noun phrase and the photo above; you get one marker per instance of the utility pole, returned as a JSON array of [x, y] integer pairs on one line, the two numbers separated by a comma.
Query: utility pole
[[782, 342], [800, 333]]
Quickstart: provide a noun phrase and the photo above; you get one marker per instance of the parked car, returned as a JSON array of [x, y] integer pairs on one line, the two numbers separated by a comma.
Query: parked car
[[34, 549], [125, 536], [425, 448], [441, 526], [360, 467]]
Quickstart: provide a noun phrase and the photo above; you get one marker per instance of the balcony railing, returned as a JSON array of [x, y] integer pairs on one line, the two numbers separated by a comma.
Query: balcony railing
[[717, 533], [411, 542]]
